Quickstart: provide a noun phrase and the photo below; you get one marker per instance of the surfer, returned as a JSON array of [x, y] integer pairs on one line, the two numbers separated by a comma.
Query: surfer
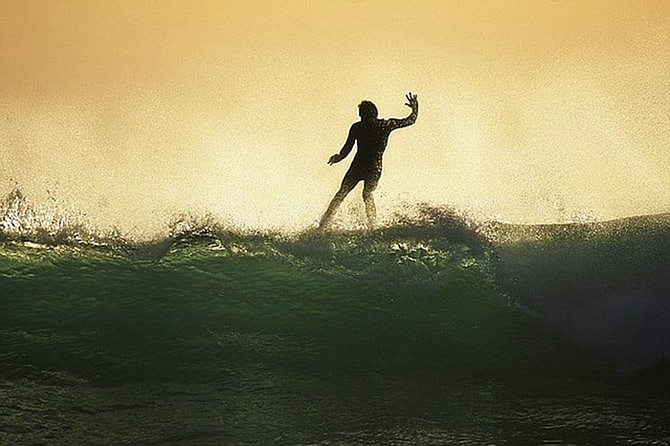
[[371, 135]]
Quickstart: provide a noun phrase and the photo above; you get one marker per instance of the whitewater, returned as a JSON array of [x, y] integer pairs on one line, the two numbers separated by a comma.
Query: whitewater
[[433, 329]]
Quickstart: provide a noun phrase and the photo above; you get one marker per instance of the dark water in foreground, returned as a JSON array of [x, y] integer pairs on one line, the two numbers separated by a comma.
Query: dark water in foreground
[[417, 335]]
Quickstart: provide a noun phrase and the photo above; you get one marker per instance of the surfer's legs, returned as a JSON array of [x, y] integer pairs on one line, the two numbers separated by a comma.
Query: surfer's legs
[[368, 199], [346, 187]]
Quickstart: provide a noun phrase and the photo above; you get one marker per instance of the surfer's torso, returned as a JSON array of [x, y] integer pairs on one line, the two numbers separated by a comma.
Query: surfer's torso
[[371, 139]]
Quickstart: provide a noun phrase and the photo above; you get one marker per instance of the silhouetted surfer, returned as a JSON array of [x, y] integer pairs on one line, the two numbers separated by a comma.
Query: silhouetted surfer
[[371, 135]]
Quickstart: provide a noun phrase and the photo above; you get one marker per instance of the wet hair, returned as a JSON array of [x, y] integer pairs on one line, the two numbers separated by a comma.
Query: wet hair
[[368, 110]]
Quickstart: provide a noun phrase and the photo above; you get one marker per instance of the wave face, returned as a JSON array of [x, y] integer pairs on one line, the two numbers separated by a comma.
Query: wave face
[[605, 285], [416, 333]]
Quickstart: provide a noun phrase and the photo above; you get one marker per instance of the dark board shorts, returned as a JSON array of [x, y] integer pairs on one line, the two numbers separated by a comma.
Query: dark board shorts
[[368, 175]]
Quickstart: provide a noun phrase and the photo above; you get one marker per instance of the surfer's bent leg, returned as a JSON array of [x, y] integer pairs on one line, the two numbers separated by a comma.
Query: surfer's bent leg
[[348, 184], [368, 199]]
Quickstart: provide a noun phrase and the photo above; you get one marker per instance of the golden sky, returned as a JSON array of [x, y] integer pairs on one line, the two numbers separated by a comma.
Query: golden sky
[[531, 111]]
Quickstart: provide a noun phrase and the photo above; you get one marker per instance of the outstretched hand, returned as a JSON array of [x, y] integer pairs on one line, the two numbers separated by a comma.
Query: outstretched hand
[[412, 101], [334, 159]]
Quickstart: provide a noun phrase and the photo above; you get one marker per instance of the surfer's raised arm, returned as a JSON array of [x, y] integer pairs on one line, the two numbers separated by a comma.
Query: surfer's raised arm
[[348, 145], [413, 103]]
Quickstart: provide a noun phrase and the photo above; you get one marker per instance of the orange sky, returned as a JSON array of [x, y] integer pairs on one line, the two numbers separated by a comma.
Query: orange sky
[[530, 111]]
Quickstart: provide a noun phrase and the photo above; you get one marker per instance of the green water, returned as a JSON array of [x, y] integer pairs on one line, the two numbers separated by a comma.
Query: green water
[[392, 337]]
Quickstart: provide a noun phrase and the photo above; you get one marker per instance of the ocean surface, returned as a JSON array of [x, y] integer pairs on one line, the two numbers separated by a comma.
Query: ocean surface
[[431, 331]]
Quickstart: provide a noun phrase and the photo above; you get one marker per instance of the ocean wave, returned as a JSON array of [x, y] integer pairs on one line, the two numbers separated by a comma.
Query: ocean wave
[[603, 285]]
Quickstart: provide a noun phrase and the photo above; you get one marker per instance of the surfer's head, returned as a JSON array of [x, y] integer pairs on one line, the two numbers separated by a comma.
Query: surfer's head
[[367, 111]]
